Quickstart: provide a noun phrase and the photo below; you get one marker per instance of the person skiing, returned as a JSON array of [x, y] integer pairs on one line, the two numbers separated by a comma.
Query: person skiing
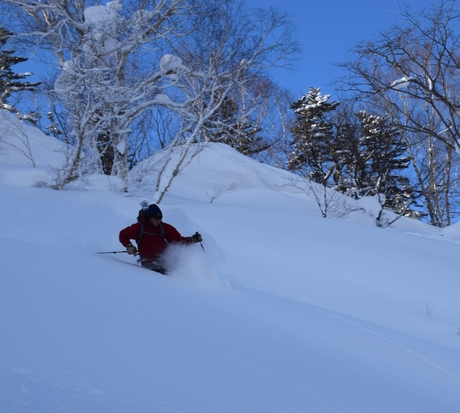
[[152, 237]]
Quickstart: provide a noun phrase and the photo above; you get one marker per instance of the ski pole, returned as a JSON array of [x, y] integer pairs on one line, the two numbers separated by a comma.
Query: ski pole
[[112, 252]]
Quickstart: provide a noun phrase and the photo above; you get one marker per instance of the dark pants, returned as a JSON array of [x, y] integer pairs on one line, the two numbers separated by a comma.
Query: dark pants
[[153, 265]]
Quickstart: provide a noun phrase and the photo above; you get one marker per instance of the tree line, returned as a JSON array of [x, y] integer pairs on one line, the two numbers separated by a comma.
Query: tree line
[[126, 80]]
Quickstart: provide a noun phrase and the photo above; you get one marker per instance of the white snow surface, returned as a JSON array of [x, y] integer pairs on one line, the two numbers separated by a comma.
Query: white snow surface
[[283, 311]]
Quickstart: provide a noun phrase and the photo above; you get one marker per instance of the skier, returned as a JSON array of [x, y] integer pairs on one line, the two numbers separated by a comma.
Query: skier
[[152, 236]]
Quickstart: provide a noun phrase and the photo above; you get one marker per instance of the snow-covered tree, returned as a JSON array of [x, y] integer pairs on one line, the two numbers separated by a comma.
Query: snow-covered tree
[[358, 154], [109, 70], [229, 44], [380, 164], [120, 60], [313, 137], [11, 82]]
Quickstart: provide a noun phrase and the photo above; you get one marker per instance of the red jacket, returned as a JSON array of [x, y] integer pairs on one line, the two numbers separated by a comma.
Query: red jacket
[[153, 241]]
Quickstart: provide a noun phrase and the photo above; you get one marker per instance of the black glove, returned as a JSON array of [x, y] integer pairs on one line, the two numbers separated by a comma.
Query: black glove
[[196, 237], [131, 249]]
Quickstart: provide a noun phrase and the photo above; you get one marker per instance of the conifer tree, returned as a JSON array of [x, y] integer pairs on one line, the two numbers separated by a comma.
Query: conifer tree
[[358, 154], [313, 142], [380, 164], [11, 82]]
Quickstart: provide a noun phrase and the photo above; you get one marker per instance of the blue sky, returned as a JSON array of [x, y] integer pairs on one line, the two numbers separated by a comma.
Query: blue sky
[[327, 29]]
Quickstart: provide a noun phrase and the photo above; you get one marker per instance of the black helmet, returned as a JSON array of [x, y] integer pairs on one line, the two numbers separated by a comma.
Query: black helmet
[[153, 211]]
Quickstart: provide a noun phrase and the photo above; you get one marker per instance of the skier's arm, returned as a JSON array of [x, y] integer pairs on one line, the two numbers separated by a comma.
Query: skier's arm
[[128, 234], [172, 235]]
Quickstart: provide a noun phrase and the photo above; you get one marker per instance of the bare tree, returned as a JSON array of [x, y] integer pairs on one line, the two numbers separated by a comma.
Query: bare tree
[[331, 203], [277, 122], [412, 72], [415, 63], [228, 46], [18, 139], [434, 165]]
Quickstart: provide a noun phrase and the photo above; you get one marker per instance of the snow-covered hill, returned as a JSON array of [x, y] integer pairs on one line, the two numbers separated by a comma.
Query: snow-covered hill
[[283, 312]]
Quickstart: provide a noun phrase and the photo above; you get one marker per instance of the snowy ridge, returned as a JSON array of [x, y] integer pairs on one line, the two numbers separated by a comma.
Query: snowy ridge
[[283, 312]]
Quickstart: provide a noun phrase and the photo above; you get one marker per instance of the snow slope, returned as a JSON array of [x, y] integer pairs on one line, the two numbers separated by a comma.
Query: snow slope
[[284, 311]]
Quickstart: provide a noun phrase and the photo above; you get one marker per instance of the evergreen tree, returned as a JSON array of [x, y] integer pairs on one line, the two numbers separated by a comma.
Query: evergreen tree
[[313, 143], [11, 82], [358, 154], [380, 163]]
